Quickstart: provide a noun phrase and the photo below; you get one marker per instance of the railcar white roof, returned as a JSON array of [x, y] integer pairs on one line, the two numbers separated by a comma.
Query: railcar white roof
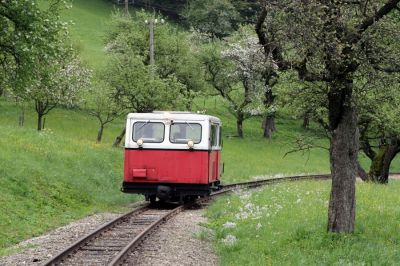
[[173, 115]]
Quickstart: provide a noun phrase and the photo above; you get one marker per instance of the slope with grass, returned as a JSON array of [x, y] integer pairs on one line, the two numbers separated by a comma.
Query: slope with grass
[[89, 25], [47, 180]]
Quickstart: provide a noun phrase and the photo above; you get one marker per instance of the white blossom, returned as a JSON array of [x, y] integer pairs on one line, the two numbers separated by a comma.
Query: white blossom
[[229, 240], [229, 225]]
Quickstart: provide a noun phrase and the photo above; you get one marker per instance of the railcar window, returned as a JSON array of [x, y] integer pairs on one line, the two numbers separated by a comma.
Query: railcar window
[[214, 135], [220, 137], [183, 132], [149, 131]]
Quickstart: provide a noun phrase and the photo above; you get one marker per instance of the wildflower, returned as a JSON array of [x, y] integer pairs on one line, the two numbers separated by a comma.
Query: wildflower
[[229, 240], [249, 206], [245, 196], [229, 225], [242, 215], [298, 201], [258, 227]]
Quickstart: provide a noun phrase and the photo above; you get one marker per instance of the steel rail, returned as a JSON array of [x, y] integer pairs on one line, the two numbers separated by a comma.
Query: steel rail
[[121, 256], [83, 240]]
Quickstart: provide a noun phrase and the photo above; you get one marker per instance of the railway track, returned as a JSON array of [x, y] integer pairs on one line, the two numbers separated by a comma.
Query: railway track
[[111, 243]]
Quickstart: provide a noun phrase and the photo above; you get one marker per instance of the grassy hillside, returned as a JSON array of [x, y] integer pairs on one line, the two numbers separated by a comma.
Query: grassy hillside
[[90, 21], [48, 179]]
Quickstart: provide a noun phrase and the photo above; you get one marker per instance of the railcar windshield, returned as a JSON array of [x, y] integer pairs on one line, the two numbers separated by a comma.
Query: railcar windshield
[[148, 131], [183, 132]]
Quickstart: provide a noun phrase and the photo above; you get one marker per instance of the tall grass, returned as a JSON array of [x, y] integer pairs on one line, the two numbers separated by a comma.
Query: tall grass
[[285, 224]]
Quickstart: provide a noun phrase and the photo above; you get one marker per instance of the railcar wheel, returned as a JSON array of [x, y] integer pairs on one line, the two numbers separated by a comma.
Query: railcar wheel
[[152, 199]]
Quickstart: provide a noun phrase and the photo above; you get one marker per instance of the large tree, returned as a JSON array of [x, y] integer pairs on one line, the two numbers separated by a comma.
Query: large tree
[[100, 103], [28, 35], [329, 41], [174, 53], [218, 18], [236, 73], [55, 84], [141, 86], [379, 124]]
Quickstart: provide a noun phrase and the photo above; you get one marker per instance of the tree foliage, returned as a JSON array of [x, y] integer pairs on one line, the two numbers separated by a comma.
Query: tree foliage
[[37, 61], [100, 103], [218, 18], [145, 87], [236, 73], [27, 38]]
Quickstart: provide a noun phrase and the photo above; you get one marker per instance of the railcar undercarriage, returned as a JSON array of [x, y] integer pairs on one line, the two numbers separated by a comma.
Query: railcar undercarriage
[[170, 192]]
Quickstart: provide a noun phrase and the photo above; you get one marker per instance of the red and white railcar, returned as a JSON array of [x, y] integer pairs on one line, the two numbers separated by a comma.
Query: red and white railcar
[[172, 155]]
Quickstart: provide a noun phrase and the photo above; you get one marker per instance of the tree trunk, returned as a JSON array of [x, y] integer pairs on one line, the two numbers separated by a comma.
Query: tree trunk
[[239, 124], [40, 108], [361, 172], [376, 167], [21, 120], [40, 122], [306, 120], [343, 159], [393, 149], [126, 7], [119, 138], [269, 126], [100, 133], [380, 165]]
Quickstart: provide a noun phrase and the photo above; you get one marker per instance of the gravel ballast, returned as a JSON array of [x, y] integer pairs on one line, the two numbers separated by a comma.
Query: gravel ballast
[[176, 242]]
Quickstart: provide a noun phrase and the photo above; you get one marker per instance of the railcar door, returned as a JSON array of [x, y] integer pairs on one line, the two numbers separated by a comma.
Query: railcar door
[[214, 153]]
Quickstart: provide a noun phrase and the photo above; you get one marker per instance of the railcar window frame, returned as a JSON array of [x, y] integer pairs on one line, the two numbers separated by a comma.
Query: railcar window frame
[[214, 140], [148, 140], [171, 139]]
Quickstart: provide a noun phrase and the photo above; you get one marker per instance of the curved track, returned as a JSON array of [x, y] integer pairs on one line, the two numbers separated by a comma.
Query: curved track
[[111, 243]]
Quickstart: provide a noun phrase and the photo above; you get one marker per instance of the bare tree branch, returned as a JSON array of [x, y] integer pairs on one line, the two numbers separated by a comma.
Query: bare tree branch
[[383, 11]]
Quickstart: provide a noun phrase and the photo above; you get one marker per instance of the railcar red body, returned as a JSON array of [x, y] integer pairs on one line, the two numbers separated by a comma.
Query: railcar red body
[[172, 155]]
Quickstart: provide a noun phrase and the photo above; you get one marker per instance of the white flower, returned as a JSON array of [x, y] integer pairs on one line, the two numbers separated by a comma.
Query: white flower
[[258, 227], [249, 206], [229, 225], [229, 240]]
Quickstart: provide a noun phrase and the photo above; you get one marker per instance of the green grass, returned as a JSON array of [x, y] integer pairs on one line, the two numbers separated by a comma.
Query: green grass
[[50, 178], [47, 180], [285, 224], [90, 22]]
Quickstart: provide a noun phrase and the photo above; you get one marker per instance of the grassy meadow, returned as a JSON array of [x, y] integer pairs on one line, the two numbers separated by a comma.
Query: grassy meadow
[[285, 224]]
